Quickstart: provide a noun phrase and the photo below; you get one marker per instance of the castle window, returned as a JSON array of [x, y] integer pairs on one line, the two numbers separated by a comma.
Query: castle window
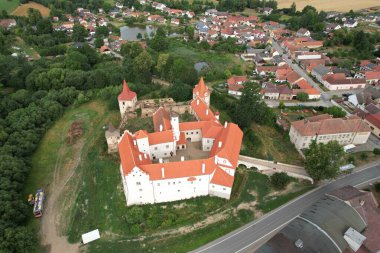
[[224, 189], [155, 148], [138, 183], [168, 183], [140, 190], [123, 103], [158, 184], [167, 146]]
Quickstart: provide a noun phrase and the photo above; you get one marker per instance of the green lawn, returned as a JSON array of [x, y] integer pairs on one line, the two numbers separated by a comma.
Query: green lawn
[[9, 5]]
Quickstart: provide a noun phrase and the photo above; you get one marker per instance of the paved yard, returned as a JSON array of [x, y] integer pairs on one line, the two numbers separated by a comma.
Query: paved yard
[[193, 151]]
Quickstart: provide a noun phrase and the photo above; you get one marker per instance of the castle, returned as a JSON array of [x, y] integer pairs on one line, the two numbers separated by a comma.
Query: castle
[[179, 160]]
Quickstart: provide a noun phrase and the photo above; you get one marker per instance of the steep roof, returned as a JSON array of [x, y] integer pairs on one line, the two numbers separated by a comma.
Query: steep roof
[[200, 89], [236, 79], [126, 94], [374, 119], [221, 177], [161, 120]]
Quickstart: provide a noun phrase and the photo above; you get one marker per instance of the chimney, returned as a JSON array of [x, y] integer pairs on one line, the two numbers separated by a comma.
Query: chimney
[[163, 172], [217, 115], [144, 156], [216, 159], [206, 111], [203, 168], [160, 160], [225, 124], [182, 158], [140, 157], [161, 127], [134, 142], [197, 101]]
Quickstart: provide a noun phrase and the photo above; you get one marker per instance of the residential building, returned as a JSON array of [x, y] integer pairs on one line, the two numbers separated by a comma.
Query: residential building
[[236, 84], [373, 121], [7, 23], [303, 32], [350, 23], [150, 170], [320, 71], [339, 81], [323, 128]]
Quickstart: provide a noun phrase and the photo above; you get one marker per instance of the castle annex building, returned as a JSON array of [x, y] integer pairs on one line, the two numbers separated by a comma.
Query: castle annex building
[[178, 160]]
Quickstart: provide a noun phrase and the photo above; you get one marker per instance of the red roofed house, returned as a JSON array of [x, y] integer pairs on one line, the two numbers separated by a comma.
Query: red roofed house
[[148, 179], [339, 81], [373, 121], [235, 85], [323, 128], [127, 99], [372, 77]]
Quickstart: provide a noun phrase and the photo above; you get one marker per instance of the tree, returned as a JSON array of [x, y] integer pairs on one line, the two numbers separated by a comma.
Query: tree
[[376, 151], [335, 111], [190, 32], [99, 42], [293, 9], [79, 33], [322, 161], [139, 36], [162, 62], [102, 32], [302, 96], [251, 107], [142, 65], [279, 180], [281, 105]]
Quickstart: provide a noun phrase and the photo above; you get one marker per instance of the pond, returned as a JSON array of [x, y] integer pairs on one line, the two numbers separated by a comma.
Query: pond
[[131, 32]]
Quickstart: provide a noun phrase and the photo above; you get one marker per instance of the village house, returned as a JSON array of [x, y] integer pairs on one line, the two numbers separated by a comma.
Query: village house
[[339, 81], [155, 168], [303, 32], [236, 84], [8, 23], [324, 128], [373, 121]]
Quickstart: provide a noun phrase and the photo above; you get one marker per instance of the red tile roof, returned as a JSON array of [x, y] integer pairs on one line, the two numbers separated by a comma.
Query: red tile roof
[[221, 177], [126, 94], [369, 75], [161, 117], [374, 119], [160, 137], [309, 127], [200, 89], [236, 79]]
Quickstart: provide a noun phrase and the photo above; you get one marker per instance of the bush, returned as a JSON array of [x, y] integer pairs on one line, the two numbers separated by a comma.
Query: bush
[[351, 159], [376, 151], [363, 156], [279, 180], [377, 187]]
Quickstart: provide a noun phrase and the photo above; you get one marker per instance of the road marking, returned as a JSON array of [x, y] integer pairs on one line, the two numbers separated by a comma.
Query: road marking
[[280, 208], [372, 179], [266, 234], [261, 219]]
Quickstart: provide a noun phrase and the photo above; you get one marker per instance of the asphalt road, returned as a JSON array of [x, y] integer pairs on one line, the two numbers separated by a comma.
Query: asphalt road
[[251, 236]]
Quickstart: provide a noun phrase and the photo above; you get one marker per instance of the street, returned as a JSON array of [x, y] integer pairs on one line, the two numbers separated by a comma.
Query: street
[[254, 234]]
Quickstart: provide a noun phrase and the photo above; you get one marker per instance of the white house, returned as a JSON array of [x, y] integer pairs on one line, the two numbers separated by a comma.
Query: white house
[[323, 128]]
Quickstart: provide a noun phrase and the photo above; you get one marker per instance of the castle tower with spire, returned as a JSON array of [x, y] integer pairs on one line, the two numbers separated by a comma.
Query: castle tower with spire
[[127, 99], [201, 90]]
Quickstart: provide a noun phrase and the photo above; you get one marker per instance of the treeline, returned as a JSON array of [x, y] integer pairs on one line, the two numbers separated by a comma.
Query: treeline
[[362, 43], [25, 117], [240, 5], [308, 18]]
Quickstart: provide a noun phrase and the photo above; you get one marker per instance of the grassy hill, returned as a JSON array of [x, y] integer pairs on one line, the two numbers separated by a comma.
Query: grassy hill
[[9, 5]]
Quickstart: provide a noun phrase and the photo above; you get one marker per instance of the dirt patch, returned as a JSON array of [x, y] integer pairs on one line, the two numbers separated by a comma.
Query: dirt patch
[[180, 206], [327, 5], [291, 187], [22, 10]]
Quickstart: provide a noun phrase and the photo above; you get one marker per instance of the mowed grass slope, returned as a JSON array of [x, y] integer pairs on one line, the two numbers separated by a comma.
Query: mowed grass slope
[[328, 5], [9, 5], [22, 10]]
